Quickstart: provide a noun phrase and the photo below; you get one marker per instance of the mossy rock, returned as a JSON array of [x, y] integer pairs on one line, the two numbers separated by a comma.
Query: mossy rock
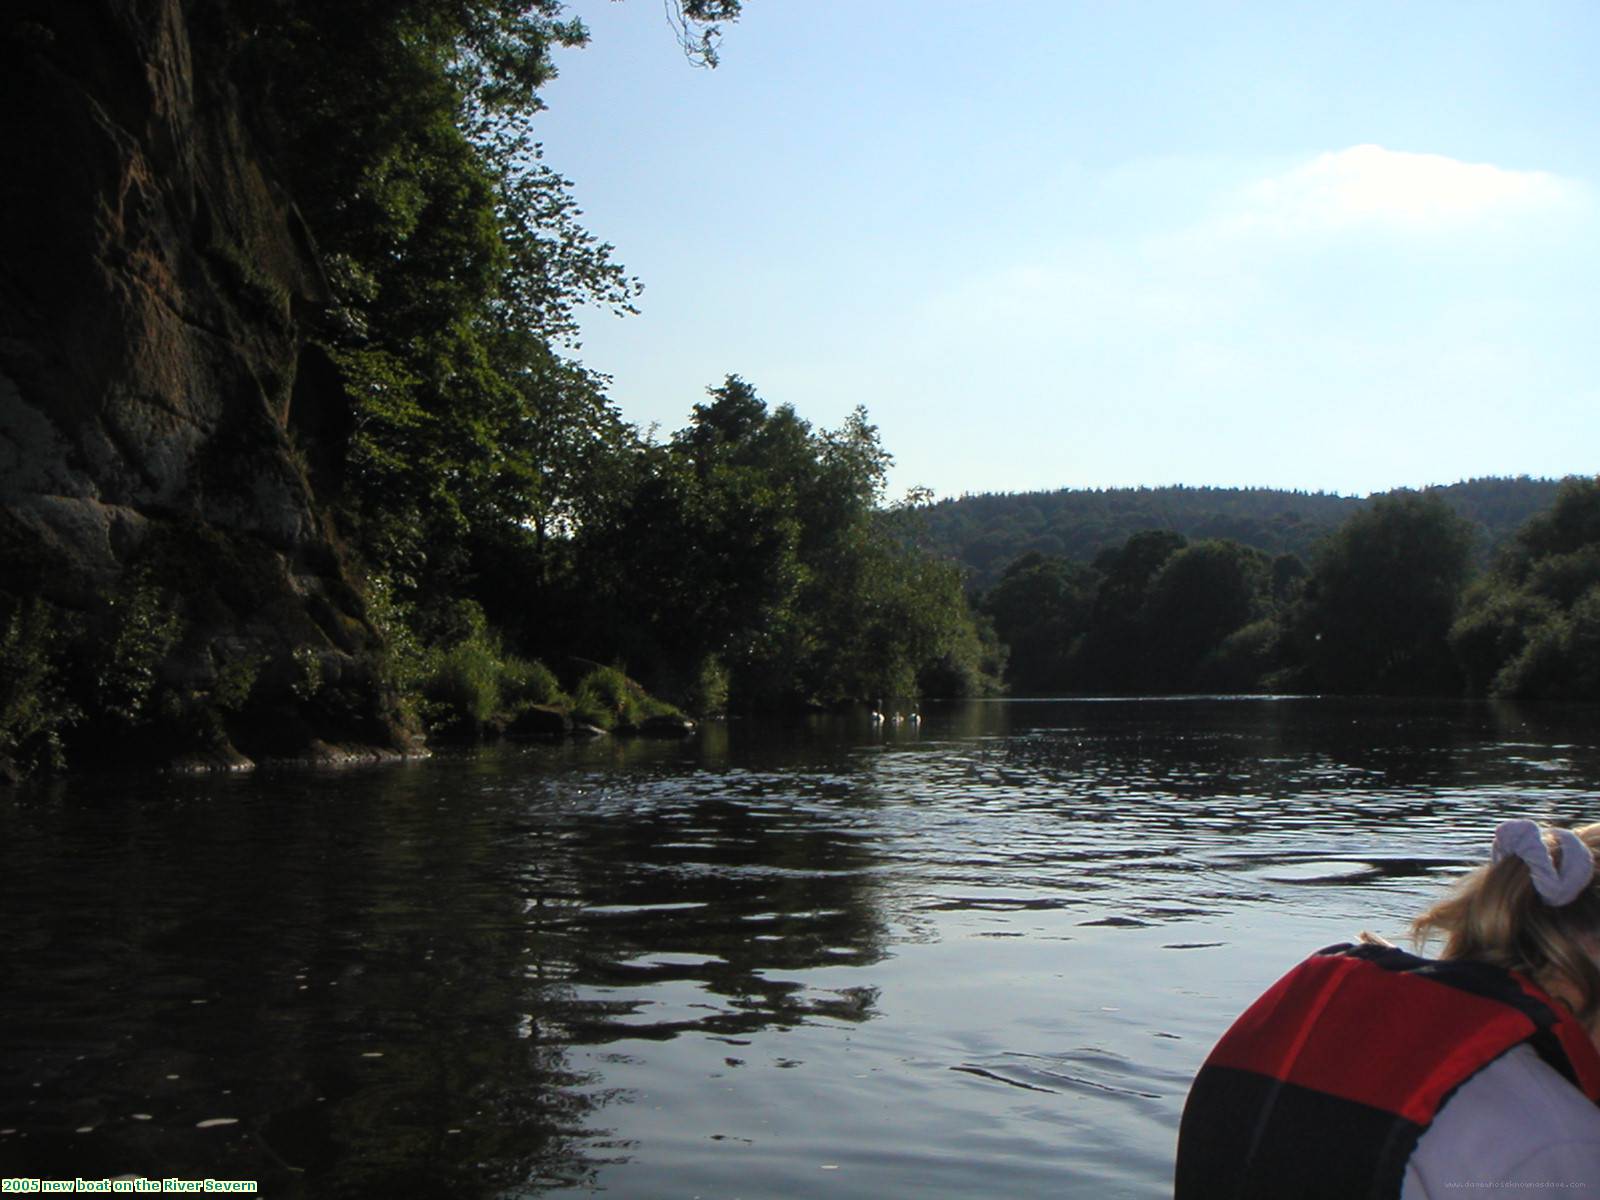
[[222, 759], [661, 725], [540, 721]]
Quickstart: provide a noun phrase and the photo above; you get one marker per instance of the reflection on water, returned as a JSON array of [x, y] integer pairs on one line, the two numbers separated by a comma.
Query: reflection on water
[[982, 955]]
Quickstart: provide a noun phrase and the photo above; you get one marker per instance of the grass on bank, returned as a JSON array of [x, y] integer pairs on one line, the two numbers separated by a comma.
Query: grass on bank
[[72, 685], [475, 687], [469, 685], [608, 698]]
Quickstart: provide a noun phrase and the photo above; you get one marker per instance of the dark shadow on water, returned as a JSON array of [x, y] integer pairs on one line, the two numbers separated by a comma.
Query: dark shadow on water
[[370, 984]]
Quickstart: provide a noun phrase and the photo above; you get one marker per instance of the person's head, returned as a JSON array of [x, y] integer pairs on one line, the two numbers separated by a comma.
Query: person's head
[[1499, 914]]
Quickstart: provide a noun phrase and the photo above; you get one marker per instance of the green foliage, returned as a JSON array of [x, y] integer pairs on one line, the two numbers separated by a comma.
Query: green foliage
[[1115, 654], [608, 698], [306, 676], [708, 693], [1570, 525], [1538, 669], [743, 560], [1530, 628], [1561, 657], [1382, 594], [524, 683], [1288, 579], [463, 686], [461, 680], [144, 628], [1493, 629], [84, 686], [1201, 594], [35, 711], [1126, 572], [700, 46], [488, 483], [1246, 660], [985, 533], [402, 662], [894, 625], [236, 678], [1563, 577], [1153, 615], [1040, 607], [456, 258], [755, 541]]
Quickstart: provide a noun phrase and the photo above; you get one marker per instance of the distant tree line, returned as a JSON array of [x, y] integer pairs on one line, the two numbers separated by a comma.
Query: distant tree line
[[985, 533], [1391, 601]]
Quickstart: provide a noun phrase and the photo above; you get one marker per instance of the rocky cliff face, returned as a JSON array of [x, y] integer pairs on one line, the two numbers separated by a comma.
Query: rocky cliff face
[[161, 414]]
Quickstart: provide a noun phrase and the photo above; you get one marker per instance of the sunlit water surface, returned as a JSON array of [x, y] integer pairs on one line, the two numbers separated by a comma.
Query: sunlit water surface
[[982, 956]]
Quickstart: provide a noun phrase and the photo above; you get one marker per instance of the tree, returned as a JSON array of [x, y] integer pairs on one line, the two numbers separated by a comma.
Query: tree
[[456, 263], [1382, 593], [1202, 593], [1040, 607], [753, 543], [1127, 571], [1529, 628], [1114, 655]]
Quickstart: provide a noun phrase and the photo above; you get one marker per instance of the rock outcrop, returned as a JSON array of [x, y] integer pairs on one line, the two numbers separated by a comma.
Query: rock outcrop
[[163, 420]]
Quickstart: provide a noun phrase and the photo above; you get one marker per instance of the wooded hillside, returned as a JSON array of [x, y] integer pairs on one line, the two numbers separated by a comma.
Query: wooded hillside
[[987, 532]]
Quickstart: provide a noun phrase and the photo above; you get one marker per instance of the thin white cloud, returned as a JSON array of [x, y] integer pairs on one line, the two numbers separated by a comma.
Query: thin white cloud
[[1345, 320], [1261, 247], [1371, 186]]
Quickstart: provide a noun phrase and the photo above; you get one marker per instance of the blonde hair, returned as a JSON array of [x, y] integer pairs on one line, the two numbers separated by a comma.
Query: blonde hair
[[1495, 916]]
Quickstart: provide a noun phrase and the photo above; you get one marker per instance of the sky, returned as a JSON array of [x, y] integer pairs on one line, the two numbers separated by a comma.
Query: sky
[[1338, 247]]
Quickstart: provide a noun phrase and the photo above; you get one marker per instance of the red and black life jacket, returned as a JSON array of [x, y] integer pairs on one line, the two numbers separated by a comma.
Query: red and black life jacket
[[1323, 1087]]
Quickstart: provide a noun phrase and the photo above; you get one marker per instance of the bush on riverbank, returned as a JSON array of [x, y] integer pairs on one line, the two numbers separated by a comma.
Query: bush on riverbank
[[475, 683], [80, 688], [34, 710], [468, 685], [609, 699], [1388, 605], [1531, 628]]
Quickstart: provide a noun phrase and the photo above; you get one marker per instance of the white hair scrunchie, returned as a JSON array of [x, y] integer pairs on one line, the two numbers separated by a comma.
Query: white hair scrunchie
[[1523, 839]]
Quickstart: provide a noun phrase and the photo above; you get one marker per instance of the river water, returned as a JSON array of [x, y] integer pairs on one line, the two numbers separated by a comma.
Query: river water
[[982, 955]]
